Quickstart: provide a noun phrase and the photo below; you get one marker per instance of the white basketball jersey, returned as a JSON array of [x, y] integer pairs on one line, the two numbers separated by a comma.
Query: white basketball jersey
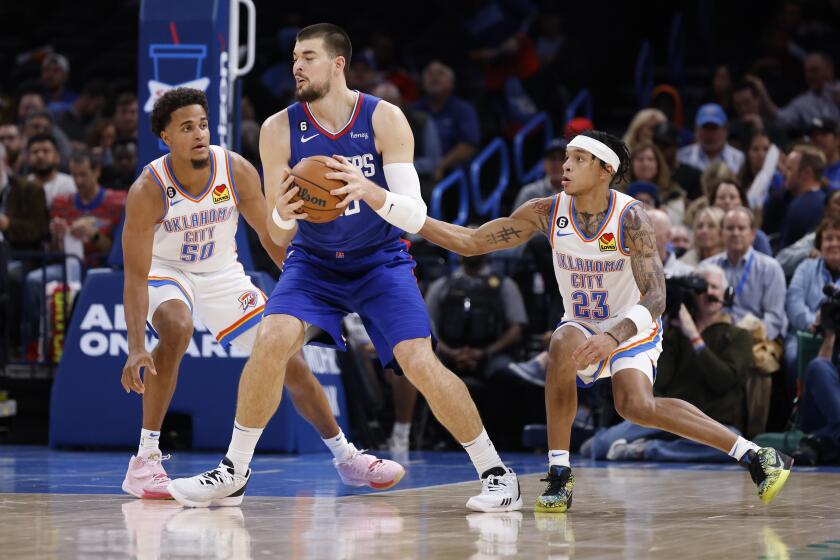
[[197, 234], [593, 273]]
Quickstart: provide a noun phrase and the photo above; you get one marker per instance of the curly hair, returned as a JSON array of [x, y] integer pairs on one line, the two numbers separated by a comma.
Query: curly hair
[[620, 149], [173, 100]]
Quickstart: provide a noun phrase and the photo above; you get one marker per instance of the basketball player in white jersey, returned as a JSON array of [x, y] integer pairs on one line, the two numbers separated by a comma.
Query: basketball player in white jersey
[[613, 287], [180, 260]]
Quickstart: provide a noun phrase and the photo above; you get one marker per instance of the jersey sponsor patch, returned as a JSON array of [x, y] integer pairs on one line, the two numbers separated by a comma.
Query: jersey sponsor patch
[[221, 193], [607, 242], [248, 300]]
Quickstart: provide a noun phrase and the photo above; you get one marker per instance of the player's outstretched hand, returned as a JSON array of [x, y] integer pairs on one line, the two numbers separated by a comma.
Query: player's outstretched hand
[[131, 372], [289, 210], [356, 188], [594, 350]]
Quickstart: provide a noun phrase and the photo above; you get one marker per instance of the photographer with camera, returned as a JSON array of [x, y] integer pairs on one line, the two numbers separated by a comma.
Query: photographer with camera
[[705, 360], [806, 292], [814, 304]]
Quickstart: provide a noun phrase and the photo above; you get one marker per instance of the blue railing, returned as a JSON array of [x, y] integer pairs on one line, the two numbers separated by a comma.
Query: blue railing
[[491, 205], [583, 100], [458, 178], [643, 78], [536, 171]]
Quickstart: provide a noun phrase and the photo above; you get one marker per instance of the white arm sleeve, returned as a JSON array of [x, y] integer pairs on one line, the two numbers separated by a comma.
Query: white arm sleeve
[[404, 206]]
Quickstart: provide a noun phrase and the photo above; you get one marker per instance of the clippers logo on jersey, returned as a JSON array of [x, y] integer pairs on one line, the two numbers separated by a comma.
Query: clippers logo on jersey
[[248, 300], [607, 242], [221, 193]]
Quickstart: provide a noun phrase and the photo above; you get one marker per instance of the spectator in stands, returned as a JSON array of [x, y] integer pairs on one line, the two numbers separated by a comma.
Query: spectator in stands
[[478, 318], [648, 164], [819, 101], [100, 140], [29, 101], [680, 239], [39, 123], [666, 138], [747, 105], [757, 279], [362, 74], [121, 174], [575, 126], [427, 150], [727, 194], [708, 236], [824, 135], [24, 218], [456, 119], [805, 293], [125, 116], [759, 175], [791, 256], [386, 60], [90, 215], [76, 122], [710, 141], [55, 73], [705, 361], [715, 173], [819, 407], [645, 192], [42, 158], [552, 182], [12, 141], [642, 126], [798, 209], [662, 232]]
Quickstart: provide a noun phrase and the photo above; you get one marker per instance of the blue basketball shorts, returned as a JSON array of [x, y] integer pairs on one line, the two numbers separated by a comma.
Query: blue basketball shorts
[[321, 288]]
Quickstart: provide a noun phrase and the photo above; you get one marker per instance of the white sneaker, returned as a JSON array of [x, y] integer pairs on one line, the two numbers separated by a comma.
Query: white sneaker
[[499, 492], [221, 486]]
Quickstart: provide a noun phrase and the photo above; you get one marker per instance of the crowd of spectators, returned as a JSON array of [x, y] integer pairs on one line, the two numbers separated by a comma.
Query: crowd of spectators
[[740, 183]]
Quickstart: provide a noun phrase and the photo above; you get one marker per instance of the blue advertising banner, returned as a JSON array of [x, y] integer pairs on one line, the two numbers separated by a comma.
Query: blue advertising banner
[[90, 408], [183, 43]]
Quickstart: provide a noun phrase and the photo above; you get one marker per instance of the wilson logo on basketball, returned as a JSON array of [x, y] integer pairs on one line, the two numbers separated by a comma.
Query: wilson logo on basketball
[[305, 195], [221, 193], [248, 300], [607, 242]]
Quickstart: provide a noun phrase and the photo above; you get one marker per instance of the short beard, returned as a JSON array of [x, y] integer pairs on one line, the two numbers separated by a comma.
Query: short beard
[[200, 163], [43, 172], [311, 93]]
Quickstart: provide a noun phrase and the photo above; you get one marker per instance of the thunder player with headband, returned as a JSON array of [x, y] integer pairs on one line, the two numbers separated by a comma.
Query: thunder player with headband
[[180, 258], [356, 263], [613, 287]]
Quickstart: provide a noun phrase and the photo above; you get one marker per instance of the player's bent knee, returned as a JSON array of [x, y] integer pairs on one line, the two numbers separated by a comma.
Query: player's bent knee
[[279, 337], [563, 343], [639, 409], [415, 357], [174, 326]]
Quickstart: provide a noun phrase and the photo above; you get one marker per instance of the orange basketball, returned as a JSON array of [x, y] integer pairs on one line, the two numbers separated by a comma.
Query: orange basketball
[[309, 174]]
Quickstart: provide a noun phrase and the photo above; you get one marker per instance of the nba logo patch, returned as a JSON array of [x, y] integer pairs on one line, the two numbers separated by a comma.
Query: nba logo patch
[[221, 193], [248, 300], [607, 242]]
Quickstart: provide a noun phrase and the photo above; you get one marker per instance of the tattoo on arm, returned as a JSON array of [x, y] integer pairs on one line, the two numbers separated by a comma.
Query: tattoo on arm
[[542, 208], [503, 235], [646, 266]]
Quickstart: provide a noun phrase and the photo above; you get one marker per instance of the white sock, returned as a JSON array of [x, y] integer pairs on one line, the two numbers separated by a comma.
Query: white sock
[[483, 453], [242, 444], [558, 457], [401, 430], [741, 446], [340, 447], [149, 443]]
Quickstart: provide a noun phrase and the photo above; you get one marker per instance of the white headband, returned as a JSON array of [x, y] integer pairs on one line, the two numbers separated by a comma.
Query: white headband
[[597, 149]]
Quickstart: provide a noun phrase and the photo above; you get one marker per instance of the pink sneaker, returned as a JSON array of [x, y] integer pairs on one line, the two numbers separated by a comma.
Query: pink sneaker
[[147, 479], [366, 470]]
